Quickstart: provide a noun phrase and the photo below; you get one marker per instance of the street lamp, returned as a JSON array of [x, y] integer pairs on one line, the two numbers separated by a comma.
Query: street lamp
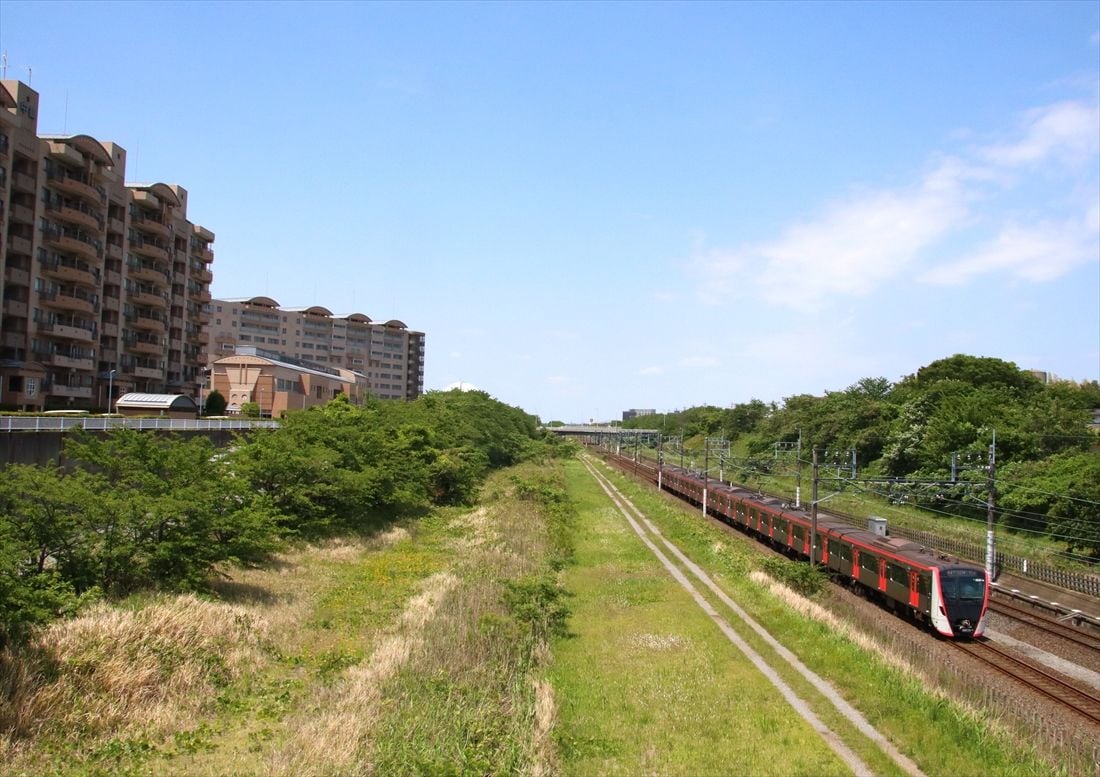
[[110, 390], [204, 371]]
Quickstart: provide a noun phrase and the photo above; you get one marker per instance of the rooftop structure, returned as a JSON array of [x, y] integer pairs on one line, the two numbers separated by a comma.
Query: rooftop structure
[[389, 356]]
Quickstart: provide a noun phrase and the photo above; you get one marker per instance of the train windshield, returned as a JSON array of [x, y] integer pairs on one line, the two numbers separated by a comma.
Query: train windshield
[[962, 584]]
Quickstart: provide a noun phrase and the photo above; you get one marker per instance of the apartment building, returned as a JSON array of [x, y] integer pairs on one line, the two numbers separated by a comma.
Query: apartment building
[[105, 284], [388, 356]]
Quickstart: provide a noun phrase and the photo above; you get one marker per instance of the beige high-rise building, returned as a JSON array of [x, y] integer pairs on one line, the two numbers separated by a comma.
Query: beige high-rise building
[[388, 356], [105, 284]]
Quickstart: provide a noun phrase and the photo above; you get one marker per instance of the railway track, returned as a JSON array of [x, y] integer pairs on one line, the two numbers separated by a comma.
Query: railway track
[[1042, 682], [1045, 624]]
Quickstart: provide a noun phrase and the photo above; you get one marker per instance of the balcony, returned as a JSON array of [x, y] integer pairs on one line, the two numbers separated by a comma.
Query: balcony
[[147, 323], [151, 373], [75, 272], [63, 301], [148, 299], [116, 225], [21, 214], [14, 339], [66, 152], [68, 362], [149, 225], [146, 198], [149, 249], [202, 276], [19, 245], [203, 255], [200, 317], [147, 272], [63, 390], [21, 182], [14, 307], [71, 244], [70, 184], [202, 337], [15, 277], [67, 331], [109, 330], [114, 251], [144, 346], [76, 216]]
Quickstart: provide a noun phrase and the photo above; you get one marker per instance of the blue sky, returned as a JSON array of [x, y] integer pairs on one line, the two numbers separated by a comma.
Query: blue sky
[[591, 207]]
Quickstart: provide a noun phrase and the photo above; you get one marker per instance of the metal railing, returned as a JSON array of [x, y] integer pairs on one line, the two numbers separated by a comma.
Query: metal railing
[[103, 423]]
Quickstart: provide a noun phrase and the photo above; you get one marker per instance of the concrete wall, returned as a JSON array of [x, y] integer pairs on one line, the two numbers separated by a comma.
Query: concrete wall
[[42, 448]]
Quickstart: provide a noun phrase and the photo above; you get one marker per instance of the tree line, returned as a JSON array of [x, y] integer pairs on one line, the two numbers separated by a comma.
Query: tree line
[[135, 511], [944, 415]]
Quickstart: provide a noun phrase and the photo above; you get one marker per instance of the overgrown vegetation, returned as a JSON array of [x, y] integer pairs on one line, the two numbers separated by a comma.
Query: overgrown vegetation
[[908, 435], [135, 511]]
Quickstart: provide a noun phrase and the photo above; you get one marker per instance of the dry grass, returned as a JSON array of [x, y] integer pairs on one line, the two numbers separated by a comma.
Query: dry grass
[[331, 730], [111, 670]]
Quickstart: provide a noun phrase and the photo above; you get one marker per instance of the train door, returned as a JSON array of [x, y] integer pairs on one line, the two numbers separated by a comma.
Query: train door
[[824, 547], [882, 574], [790, 534], [914, 591], [855, 562]]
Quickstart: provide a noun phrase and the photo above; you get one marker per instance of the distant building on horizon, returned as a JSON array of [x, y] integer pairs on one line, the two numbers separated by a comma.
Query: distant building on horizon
[[388, 357], [104, 282], [638, 413]]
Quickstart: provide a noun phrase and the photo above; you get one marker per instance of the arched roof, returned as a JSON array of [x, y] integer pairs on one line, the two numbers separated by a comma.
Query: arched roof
[[267, 302], [156, 401], [162, 190], [85, 144], [358, 318], [317, 310], [393, 322]]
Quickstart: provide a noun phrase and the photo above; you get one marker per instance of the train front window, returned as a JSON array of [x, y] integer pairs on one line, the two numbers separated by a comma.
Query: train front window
[[962, 584]]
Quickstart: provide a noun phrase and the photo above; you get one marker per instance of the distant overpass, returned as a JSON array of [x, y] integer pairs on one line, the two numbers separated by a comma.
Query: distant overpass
[[598, 431]]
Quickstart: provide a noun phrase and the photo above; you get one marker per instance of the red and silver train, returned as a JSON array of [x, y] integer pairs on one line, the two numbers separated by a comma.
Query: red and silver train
[[947, 595]]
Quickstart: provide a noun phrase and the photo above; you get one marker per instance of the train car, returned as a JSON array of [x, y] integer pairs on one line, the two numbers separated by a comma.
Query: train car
[[948, 596]]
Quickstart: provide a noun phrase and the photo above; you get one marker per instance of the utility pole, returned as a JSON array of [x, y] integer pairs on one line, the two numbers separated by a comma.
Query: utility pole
[[681, 447], [990, 550], [813, 515], [798, 477], [660, 460], [706, 467]]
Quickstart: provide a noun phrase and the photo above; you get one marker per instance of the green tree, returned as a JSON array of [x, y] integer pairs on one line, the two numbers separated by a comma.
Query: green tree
[[214, 404], [166, 512], [1059, 494]]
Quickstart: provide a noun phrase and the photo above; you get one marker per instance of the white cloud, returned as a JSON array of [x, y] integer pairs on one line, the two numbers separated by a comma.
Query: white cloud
[[1037, 253], [1068, 130], [856, 244], [654, 370]]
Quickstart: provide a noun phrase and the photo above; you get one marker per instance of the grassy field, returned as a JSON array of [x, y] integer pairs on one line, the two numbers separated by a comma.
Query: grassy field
[[531, 634], [942, 737], [415, 650]]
